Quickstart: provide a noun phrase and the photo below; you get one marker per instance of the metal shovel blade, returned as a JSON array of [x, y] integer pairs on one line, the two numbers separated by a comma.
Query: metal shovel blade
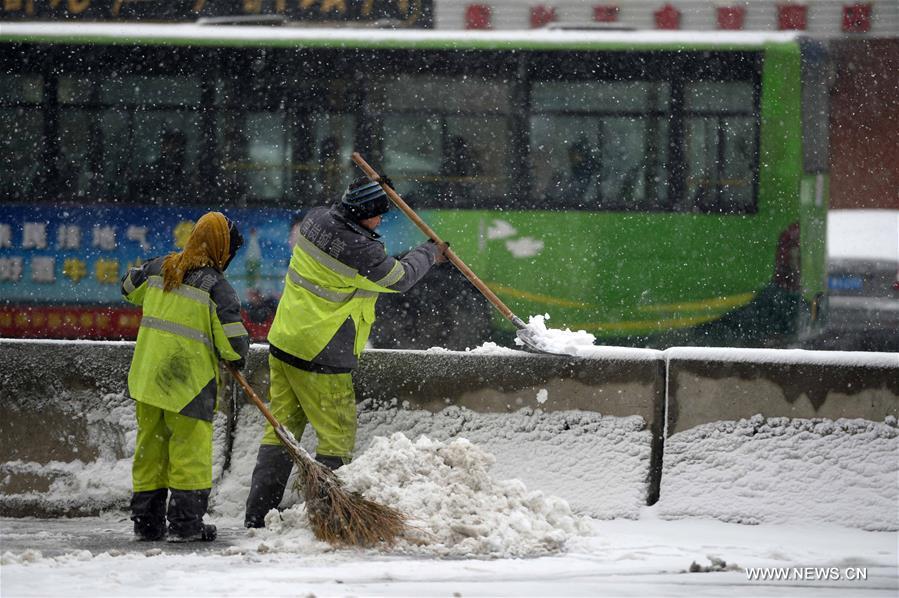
[[530, 340]]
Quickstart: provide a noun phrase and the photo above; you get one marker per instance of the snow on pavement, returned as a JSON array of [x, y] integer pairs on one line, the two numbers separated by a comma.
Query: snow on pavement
[[97, 557], [643, 557], [559, 515]]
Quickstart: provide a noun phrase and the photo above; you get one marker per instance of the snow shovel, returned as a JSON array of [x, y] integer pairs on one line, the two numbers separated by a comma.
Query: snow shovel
[[336, 516], [525, 334]]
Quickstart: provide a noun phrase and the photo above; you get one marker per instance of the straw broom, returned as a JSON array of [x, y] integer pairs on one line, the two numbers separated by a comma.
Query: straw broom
[[338, 517]]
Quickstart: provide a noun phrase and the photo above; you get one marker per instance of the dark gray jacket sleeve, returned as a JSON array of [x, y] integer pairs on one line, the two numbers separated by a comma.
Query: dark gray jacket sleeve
[[138, 275], [398, 274], [227, 309]]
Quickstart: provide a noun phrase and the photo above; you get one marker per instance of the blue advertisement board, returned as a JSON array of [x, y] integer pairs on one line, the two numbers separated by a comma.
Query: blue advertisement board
[[78, 254]]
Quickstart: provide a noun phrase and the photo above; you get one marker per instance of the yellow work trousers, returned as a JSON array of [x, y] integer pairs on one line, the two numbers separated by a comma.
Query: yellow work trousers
[[171, 451], [327, 401]]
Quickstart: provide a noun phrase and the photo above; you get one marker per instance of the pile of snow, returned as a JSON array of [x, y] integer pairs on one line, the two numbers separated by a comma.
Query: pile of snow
[[598, 463], [554, 340], [455, 508], [491, 348], [780, 470]]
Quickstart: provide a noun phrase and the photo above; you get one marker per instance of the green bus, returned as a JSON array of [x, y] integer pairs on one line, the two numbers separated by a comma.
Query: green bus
[[652, 188]]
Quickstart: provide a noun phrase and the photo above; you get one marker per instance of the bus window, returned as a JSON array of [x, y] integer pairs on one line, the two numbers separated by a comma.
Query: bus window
[[254, 133], [720, 147], [115, 131], [77, 135], [446, 140], [565, 153], [817, 80], [164, 159], [21, 135], [333, 142], [265, 154], [599, 145], [21, 88], [150, 136], [74, 161], [284, 145]]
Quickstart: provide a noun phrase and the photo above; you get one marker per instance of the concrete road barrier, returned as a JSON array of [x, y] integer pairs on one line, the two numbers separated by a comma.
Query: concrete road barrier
[[588, 430], [67, 427], [608, 433], [61, 412], [709, 385], [773, 436]]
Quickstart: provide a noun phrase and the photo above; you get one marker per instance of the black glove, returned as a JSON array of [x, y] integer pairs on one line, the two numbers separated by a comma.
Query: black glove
[[442, 247], [386, 180], [238, 364]]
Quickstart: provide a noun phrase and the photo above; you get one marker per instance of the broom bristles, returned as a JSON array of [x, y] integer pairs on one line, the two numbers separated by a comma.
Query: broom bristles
[[340, 517]]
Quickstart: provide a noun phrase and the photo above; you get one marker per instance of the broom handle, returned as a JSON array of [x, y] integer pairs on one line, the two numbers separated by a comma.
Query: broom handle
[[429, 232]]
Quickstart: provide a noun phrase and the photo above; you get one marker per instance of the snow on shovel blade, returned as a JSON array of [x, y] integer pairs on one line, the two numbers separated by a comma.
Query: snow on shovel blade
[[535, 336], [530, 339], [534, 342]]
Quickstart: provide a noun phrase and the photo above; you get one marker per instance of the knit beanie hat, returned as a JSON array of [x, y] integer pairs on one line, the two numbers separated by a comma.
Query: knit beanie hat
[[364, 199]]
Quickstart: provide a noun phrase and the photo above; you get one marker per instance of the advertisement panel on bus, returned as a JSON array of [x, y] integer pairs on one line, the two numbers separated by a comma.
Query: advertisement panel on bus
[[60, 267]]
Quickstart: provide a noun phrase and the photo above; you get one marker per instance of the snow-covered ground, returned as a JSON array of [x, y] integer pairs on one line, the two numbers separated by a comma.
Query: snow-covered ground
[[526, 503], [644, 557], [481, 535]]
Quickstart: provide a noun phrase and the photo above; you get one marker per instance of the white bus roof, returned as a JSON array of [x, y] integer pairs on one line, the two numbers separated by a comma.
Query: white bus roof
[[193, 34]]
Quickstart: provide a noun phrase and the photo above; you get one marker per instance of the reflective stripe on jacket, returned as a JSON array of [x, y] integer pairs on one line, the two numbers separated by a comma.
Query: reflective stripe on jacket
[[183, 333], [336, 273]]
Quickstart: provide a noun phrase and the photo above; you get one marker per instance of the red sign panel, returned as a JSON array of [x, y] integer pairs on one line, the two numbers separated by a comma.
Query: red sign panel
[[605, 13], [97, 322], [731, 17], [541, 15], [94, 322], [857, 18], [477, 16], [667, 17], [792, 17]]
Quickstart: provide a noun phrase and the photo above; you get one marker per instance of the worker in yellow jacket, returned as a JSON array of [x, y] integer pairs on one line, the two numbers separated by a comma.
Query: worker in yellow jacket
[[338, 268], [191, 320]]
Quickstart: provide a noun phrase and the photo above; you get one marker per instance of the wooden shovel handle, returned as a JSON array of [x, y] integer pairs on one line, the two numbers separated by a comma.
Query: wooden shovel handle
[[429, 232]]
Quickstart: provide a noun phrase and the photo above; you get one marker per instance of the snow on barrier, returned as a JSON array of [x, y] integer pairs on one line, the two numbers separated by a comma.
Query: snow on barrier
[[749, 435], [760, 435], [588, 430]]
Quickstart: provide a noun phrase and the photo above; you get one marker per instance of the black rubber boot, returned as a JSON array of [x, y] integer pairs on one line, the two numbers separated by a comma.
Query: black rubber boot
[[273, 465], [330, 461], [185, 515], [148, 514]]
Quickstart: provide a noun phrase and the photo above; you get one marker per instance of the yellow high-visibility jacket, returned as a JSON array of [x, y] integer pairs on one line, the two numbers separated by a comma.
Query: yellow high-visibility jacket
[[337, 270], [183, 334]]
